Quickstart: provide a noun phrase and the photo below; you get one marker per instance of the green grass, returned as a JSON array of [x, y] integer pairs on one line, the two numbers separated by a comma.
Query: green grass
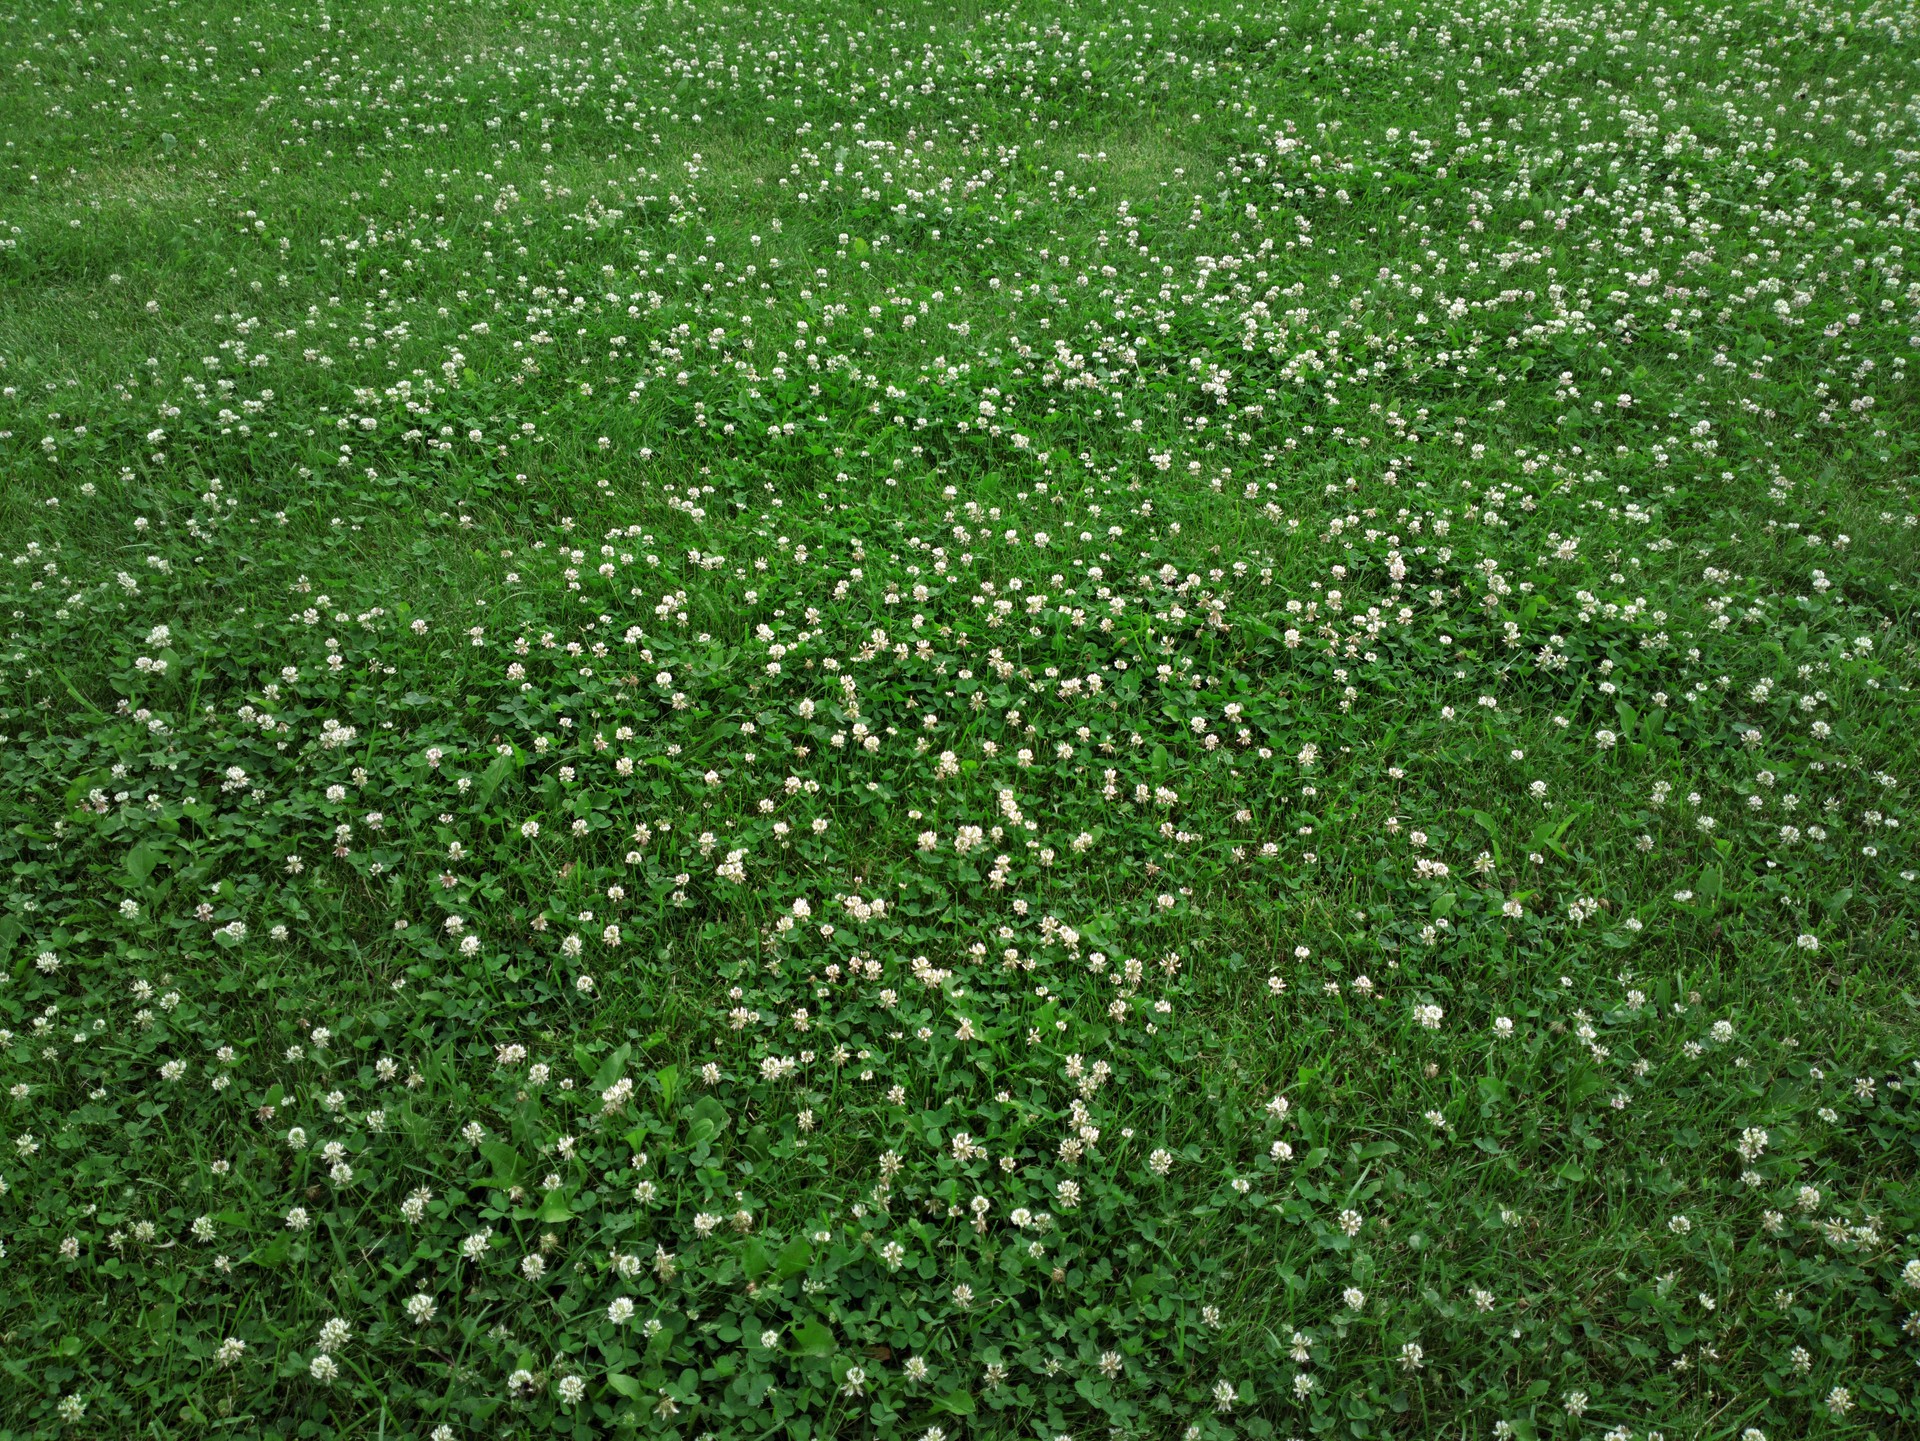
[[574, 863]]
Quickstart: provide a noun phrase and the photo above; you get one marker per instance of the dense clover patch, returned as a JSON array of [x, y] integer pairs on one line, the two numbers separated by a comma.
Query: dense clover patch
[[1060, 722]]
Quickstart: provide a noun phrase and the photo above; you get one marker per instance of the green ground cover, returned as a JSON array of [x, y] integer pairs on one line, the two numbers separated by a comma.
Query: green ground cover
[[1078, 721]]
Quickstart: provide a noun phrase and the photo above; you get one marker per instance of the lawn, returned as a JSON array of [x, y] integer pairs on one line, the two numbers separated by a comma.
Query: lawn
[[1078, 722]]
